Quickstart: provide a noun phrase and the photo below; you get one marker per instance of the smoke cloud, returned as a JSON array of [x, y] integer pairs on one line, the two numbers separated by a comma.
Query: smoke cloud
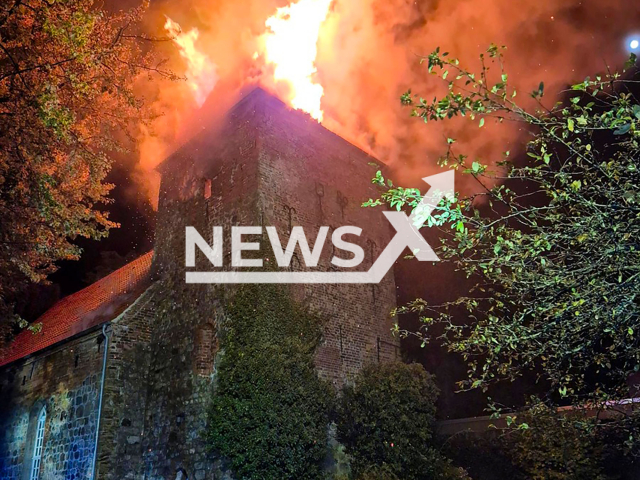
[[368, 55]]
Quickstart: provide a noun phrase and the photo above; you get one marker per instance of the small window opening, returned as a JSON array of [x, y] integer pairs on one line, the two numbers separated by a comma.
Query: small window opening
[[206, 347]]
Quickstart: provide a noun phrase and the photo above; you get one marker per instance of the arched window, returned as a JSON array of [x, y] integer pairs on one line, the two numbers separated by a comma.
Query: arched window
[[38, 445], [181, 474]]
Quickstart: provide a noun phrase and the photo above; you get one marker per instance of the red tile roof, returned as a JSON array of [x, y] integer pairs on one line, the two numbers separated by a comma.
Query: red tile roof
[[91, 306]]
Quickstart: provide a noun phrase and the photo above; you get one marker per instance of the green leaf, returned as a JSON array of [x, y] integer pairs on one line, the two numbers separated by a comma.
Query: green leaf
[[482, 122], [624, 129]]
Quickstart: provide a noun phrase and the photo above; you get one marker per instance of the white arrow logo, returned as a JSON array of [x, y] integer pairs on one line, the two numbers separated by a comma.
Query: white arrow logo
[[407, 235]]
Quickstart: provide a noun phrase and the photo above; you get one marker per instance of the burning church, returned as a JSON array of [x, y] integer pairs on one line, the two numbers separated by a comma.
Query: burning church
[[117, 382]]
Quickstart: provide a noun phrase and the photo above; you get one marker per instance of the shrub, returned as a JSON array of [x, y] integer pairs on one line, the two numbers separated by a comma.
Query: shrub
[[541, 443], [270, 412], [378, 473], [556, 446], [385, 421]]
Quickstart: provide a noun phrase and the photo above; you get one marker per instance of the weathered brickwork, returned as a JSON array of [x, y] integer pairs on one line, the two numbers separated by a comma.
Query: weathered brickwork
[[206, 348], [271, 166], [66, 382], [180, 387], [263, 165], [311, 177]]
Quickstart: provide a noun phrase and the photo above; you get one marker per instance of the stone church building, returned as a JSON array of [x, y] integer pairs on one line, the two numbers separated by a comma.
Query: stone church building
[[116, 384]]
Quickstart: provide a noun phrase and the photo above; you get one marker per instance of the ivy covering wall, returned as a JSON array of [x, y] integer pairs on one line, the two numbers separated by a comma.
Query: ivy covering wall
[[270, 413]]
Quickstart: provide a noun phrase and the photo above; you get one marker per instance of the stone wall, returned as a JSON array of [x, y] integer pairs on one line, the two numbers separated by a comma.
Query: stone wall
[[126, 386], [181, 382], [267, 165], [66, 382], [311, 177], [158, 385]]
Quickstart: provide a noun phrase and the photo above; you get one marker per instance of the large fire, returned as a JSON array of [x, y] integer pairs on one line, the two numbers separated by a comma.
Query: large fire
[[352, 60], [201, 71], [290, 47]]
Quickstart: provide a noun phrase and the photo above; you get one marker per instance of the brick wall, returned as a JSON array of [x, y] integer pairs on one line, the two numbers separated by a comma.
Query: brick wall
[[310, 177], [267, 165], [264, 166]]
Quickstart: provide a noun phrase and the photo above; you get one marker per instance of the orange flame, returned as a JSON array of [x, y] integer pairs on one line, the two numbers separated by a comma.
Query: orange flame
[[290, 46], [201, 71]]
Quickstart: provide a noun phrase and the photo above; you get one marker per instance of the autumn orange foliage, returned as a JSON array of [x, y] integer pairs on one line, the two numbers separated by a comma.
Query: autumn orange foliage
[[66, 101]]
